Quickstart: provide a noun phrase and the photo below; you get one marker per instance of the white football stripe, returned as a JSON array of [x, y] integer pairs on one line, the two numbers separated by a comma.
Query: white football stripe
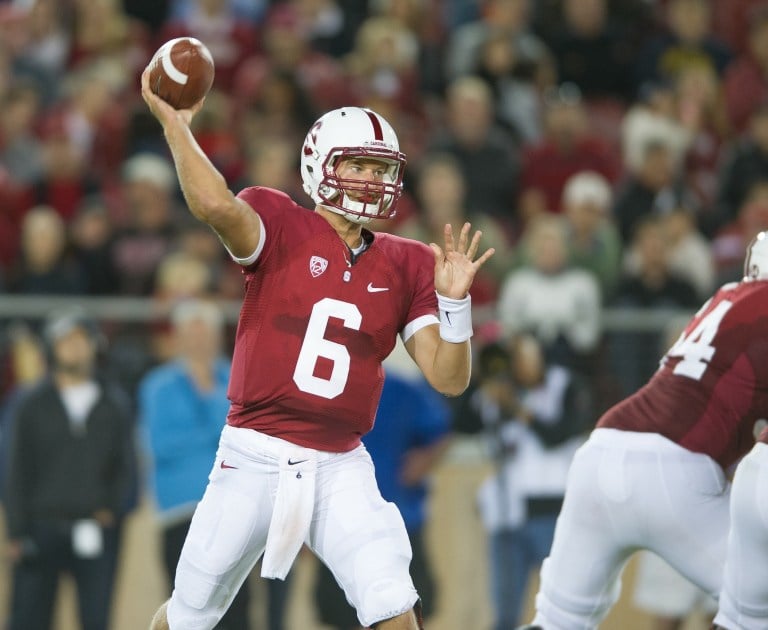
[[172, 71]]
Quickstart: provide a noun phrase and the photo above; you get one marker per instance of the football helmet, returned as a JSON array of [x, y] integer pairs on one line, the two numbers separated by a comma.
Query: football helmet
[[352, 132], [756, 262]]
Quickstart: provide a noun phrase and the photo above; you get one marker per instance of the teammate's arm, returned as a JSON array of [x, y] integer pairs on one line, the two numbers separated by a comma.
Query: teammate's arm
[[205, 189], [442, 352]]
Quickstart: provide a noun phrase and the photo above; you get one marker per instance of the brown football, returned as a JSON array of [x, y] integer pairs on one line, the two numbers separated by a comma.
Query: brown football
[[181, 72]]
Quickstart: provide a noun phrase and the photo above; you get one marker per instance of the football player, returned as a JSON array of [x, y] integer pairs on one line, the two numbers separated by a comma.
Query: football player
[[652, 474], [324, 301]]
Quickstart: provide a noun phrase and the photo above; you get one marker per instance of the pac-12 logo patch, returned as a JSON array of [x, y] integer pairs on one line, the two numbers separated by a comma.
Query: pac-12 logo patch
[[317, 265]]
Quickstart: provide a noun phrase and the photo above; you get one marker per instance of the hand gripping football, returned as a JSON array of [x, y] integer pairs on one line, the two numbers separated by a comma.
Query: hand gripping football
[[181, 72]]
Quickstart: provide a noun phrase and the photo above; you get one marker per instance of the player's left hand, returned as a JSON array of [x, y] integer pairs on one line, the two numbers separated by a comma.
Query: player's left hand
[[455, 264]]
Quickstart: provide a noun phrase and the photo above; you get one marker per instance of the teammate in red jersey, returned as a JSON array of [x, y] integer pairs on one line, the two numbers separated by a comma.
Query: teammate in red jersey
[[324, 302], [652, 474]]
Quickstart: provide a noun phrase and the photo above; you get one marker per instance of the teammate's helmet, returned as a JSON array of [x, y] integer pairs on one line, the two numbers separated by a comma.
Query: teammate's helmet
[[352, 132], [756, 262]]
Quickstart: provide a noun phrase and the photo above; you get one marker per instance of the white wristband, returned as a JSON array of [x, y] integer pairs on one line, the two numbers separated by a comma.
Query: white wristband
[[455, 318]]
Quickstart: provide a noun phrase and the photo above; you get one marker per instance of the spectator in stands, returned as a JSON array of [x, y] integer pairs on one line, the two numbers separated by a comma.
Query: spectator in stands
[[287, 50], [384, 62], [688, 41], [517, 83], [586, 37], [653, 189], [648, 284], [182, 406], [535, 416], [487, 154], [21, 152], [506, 18], [550, 298], [44, 266], [152, 222], [690, 252], [744, 164], [64, 516], [409, 438], [90, 235], [567, 147], [746, 79], [593, 240]]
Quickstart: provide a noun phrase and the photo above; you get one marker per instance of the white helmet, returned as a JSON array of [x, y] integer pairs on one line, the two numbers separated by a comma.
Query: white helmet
[[756, 262], [357, 133]]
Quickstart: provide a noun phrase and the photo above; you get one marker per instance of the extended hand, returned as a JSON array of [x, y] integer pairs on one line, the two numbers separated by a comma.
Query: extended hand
[[455, 267], [162, 110]]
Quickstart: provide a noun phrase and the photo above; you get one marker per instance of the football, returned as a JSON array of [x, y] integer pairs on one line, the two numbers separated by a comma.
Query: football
[[181, 72]]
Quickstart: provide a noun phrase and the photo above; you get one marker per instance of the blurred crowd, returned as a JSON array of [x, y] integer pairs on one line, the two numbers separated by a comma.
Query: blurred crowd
[[614, 152]]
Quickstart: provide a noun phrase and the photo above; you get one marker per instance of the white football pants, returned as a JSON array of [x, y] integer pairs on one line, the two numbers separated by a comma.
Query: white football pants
[[744, 598], [353, 530], [628, 491]]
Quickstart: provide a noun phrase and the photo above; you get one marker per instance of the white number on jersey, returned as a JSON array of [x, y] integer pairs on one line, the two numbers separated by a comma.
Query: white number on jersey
[[696, 348], [315, 345]]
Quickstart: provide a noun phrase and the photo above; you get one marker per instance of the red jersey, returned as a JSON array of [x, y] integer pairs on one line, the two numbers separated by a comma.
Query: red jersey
[[316, 324], [712, 385]]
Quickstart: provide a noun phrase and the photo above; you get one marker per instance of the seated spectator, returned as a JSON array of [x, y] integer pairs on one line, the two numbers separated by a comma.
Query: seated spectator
[[550, 298], [690, 253], [586, 37], [505, 18], [21, 154], [287, 50], [594, 241], [91, 236], [746, 80], [517, 83], [44, 266], [688, 41], [654, 188], [567, 147], [384, 62], [648, 284], [745, 163], [152, 220], [487, 154]]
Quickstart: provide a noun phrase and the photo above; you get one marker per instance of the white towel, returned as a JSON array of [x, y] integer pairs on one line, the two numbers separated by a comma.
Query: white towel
[[292, 515]]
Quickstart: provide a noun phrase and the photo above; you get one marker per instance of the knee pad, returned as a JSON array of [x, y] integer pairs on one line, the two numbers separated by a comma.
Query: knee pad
[[385, 599], [199, 600]]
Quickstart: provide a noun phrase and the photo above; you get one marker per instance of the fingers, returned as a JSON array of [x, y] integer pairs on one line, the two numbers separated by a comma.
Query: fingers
[[480, 261], [463, 237], [448, 237], [474, 245]]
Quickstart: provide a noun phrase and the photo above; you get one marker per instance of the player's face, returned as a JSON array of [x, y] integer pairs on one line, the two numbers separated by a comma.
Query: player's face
[[361, 170]]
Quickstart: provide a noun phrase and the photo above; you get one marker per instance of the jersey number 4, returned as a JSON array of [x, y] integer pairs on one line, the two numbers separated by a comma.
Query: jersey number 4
[[696, 348], [315, 345]]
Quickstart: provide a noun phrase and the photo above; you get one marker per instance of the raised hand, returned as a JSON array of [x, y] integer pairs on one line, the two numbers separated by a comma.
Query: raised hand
[[162, 110], [455, 266]]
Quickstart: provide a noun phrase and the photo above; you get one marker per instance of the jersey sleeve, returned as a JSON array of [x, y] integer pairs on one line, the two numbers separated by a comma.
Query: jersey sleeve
[[271, 206], [423, 308]]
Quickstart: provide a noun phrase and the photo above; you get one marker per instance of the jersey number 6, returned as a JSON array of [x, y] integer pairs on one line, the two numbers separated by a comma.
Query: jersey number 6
[[315, 345]]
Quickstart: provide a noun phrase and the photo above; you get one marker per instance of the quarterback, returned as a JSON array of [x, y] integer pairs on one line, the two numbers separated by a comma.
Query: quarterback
[[324, 301]]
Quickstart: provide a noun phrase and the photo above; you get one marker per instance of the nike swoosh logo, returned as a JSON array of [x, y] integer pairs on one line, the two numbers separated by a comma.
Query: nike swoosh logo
[[298, 461], [225, 466], [373, 289]]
